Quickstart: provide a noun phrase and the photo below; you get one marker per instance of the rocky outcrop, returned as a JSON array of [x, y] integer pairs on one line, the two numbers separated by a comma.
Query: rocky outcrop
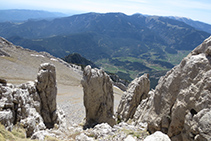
[[21, 104], [137, 91], [31, 104], [98, 97], [180, 105], [47, 90]]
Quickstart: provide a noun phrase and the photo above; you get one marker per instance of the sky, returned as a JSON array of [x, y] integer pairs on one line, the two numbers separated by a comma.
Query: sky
[[195, 9]]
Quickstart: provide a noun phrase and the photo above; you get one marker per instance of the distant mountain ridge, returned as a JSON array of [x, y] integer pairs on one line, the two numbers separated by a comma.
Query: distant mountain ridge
[[19, 15], [196, 24], [107, 33], [118, 43]]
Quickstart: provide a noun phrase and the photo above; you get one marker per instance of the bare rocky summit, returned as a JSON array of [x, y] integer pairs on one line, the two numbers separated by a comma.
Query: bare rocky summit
[[98, 97]]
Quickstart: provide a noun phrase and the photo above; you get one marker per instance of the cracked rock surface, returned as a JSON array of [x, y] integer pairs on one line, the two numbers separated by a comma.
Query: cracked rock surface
[[180, 105]]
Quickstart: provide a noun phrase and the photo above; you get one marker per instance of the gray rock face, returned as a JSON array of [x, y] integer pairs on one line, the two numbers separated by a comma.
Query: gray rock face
[[47, 90], [98, 97], [24, 104], [137, 91], [180, 105], [199, 126], [21, 104]]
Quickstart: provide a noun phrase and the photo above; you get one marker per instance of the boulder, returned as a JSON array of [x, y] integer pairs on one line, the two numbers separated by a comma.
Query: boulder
[[157, 136], [137, 91], [47, 90], [102, 130], [98, 97], [177, 106]]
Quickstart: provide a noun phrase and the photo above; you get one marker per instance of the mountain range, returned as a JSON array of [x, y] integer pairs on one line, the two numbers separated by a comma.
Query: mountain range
[[196, 24], [20, 15], [118, 43]]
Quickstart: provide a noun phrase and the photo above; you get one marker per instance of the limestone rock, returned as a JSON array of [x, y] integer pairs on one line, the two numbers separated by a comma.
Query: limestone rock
[[83, 137], [198, 126], [137, 90], [177, 105], [47, 89], [23, 104], [119, 132], [101, 130], [157, 136], [129, 138], [6, 118], [98, 97]]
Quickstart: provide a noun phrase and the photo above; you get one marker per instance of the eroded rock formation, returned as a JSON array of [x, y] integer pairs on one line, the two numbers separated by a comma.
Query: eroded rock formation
[[137, 91], [31, 105], [47, 90], [180, 105], [98, 97]]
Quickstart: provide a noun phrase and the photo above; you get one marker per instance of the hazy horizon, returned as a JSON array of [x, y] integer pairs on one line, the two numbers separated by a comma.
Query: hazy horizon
[[196, 10]]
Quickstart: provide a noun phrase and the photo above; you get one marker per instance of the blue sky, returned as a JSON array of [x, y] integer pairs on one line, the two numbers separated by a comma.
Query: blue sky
[[194, 9]]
